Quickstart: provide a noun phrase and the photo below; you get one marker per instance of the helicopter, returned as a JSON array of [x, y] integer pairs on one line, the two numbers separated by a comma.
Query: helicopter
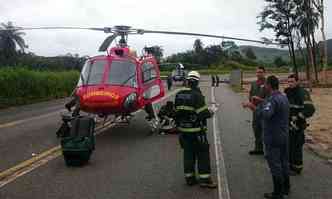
[[121, 83]]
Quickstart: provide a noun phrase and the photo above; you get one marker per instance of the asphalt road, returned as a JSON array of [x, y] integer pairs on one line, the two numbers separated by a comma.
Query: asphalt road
[[128, 163]]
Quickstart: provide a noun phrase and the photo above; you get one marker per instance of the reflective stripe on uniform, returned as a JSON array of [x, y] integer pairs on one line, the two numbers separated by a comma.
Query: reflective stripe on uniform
[[187, 175], [307, 102], [184, 89], [204, 175], [185, 108], [301, 115], [202, 109], [189, 130], [295, 106]]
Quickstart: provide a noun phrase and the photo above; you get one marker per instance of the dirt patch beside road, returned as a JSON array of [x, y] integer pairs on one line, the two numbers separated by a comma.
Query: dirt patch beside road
[[319, 132]]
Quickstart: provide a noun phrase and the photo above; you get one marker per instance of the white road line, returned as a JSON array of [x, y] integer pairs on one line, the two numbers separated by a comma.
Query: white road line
[[223, 189], [17, 122]]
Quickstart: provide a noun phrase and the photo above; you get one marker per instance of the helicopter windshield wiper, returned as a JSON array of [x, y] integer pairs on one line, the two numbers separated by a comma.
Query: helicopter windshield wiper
[[127, 80]]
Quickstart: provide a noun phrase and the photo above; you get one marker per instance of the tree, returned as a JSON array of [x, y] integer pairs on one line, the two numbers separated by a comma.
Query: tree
[[319, 5], [198, 50], [10, 41], [280, 16], [307, 21], [250, 54], [198, 46], [279, 62]]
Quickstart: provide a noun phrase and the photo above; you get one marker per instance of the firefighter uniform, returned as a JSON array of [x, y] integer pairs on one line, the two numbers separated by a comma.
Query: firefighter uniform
[[191, 121], [297, 122], [275, 115], [257, 89]]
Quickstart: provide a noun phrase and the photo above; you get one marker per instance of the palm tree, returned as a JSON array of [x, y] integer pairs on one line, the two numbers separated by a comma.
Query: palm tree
[[10, 39], [319, 4], [307, 23]]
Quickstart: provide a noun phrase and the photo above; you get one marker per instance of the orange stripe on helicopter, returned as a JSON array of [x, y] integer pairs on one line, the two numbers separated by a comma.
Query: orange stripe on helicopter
[[101, 93]]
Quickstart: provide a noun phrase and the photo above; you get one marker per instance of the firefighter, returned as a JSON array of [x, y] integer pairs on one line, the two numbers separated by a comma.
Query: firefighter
[[296, 96], [191, 121], [169, 82], [275, 114], [257, 95]]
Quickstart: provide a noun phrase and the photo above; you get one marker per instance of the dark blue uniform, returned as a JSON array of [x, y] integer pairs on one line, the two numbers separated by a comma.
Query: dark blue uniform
[[275, 115]]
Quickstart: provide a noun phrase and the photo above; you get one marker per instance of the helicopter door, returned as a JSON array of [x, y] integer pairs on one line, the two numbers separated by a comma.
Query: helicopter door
[[152, 84]]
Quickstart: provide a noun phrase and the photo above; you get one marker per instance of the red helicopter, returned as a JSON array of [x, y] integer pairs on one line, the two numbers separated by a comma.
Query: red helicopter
[[120, 82]]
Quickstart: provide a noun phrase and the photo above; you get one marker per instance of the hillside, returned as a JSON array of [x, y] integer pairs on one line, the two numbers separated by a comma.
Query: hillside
[[267, 54]]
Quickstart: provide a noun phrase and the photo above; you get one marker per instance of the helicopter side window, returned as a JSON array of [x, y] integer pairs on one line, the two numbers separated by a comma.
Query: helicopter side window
[[149, 72], [96, 72], [123, 73]]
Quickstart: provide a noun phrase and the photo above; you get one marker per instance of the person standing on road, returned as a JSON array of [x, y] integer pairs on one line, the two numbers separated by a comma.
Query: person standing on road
[[217, 81], [257, 95], [275, 115], [213, 80], [191, 114], [169, 82], [296, 97]]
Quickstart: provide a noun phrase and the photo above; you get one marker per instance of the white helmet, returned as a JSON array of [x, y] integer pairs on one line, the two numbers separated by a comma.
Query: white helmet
[[194, 75]]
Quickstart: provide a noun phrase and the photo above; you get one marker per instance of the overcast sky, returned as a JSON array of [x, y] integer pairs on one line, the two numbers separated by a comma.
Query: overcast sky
[[236, 18]]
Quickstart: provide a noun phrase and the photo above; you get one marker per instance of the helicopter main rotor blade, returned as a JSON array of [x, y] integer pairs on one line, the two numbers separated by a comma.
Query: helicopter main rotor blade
[[107, 42], [106, 29], [140, 31]]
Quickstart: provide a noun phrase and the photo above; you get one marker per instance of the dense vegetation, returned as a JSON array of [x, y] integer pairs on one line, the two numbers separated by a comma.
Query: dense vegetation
[[225, 56], [22, 86]]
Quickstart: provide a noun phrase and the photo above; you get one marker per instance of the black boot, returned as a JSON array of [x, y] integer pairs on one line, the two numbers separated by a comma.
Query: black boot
[[191, 181], [256, 152], [277, 189], [208, 183], [286, 188]]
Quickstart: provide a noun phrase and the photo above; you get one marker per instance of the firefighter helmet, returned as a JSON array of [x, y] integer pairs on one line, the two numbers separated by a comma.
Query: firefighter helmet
[[194, 75]]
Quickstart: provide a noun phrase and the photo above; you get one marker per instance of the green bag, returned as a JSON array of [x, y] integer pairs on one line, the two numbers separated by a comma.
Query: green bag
[[79, 144]]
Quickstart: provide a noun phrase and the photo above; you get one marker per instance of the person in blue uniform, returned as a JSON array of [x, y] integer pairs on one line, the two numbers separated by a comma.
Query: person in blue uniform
[[275, 114]]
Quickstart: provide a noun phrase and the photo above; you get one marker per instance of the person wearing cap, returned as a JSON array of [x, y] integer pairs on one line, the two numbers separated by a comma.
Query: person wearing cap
[[191, 114]]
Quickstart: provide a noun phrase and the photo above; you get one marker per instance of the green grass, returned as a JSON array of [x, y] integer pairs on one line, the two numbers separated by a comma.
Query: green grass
[[20, 86]]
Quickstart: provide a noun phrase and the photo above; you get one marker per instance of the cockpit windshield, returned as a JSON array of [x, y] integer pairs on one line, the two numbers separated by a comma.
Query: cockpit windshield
[[123, 73], [92, 72]]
